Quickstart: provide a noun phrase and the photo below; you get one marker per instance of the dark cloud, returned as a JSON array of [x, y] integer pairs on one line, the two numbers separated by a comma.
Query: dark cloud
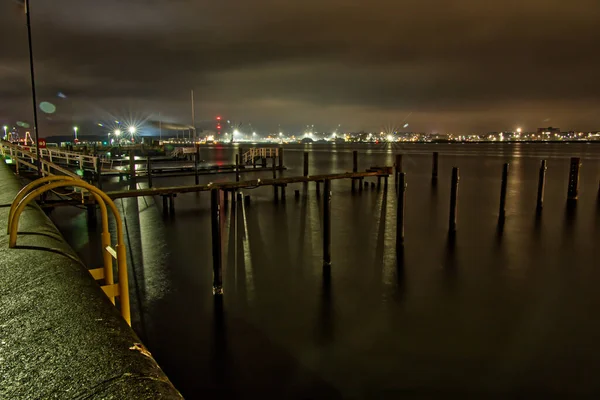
[[456, 65]]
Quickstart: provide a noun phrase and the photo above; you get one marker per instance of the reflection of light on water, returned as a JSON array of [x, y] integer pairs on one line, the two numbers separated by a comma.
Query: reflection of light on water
[[247, 259]]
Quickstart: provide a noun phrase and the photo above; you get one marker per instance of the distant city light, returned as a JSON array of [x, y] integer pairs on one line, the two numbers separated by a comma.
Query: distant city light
[[236, 132], [518, 130], [280, 134], [132, 129], [253, 133], [406, 125], [390, 138], [117, 132]]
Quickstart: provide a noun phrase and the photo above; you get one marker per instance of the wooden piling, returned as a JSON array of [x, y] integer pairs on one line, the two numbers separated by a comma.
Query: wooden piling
[[297, 194], [400, 209], [149, 171], [318, 184], [283, 193], [247, 200], [434, 167], [165, 204], [306, 163], [398, 169], [196, 164], [541, 186], [132, 178], [280, 158], [573, 188], [275, 198], [216, 242], [354, 168], [327, 225], [453, 201], [237, 168], [172, 204], [98, 168], [503, 189]]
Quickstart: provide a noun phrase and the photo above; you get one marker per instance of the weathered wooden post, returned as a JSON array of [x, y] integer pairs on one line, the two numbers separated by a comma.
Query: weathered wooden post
[[275, 194], [398, 169], [541, 186], [165, 204], [98, 168], [434, 168], [196, 164], [453, 201], [280, 158], [354, 168], [132, 178], [172, 203], [327, 225], [306, 163], [237, 168], [216, 242], [503, 189], [318, 185], [149, 171], [400, 209], [573, 189]]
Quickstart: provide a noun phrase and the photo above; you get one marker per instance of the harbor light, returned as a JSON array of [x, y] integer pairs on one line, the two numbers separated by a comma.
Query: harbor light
[[117, 132], [75, 129], [132, 129], [236, 132]]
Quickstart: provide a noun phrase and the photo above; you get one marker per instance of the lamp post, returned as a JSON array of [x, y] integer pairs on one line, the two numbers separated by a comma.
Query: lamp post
[[117, 134], [33, 96]]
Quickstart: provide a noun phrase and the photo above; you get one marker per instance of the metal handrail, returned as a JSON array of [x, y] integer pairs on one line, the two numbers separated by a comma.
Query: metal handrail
[[20, 154], [33, 190]]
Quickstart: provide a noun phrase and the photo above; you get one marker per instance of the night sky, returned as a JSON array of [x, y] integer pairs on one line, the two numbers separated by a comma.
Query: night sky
[[439, 65]]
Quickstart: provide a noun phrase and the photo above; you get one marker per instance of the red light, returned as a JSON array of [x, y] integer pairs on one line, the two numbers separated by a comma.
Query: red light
[[218, 118]]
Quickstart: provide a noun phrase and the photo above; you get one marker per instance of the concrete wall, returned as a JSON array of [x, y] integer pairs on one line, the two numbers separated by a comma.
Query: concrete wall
[[60, 337]]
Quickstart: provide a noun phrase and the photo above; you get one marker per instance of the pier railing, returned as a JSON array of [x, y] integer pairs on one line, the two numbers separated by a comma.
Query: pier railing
[[258, 153]]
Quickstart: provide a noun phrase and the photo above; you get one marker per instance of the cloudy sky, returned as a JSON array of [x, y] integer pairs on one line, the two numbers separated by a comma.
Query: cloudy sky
[[439, 65]]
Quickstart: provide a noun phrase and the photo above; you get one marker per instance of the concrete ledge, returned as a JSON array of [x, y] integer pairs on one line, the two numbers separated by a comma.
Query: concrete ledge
[[60, 337]]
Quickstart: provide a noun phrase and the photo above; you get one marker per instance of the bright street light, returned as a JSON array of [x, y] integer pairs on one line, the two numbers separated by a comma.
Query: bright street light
[[132, 129], [117, 132], [280, 134], [253, 133], [518, 130], [75, 129], [236, 132]]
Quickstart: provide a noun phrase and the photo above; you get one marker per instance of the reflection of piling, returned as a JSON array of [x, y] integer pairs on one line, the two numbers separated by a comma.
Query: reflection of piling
[[327, 224], [573, 189], [453, 201], [149, 171], [434, 167], [541, 186], [165, 204], [306, 163], [172, 204], [400, 209], [196, 163], [216, 242], [503, 192]]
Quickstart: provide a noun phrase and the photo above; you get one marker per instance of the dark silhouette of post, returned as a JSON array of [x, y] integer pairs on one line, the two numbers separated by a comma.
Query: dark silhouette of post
[[398, 169], [453, 201], [434, 167], [400, 209], [503, 189], [354, 168], [98, 168], [216, 242], [132, 178], [280, 158], [573, 189], [196, 163], [306, 163], [237, 168], [275, 195], [38, 162], [327, 224], [541, 186], [149, 171]]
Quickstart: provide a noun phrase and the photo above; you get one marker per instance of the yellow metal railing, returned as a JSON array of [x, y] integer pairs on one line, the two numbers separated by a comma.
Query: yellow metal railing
[[42, 185]]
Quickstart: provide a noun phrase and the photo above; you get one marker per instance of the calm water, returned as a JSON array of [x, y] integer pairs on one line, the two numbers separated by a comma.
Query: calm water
[[494, 314]]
